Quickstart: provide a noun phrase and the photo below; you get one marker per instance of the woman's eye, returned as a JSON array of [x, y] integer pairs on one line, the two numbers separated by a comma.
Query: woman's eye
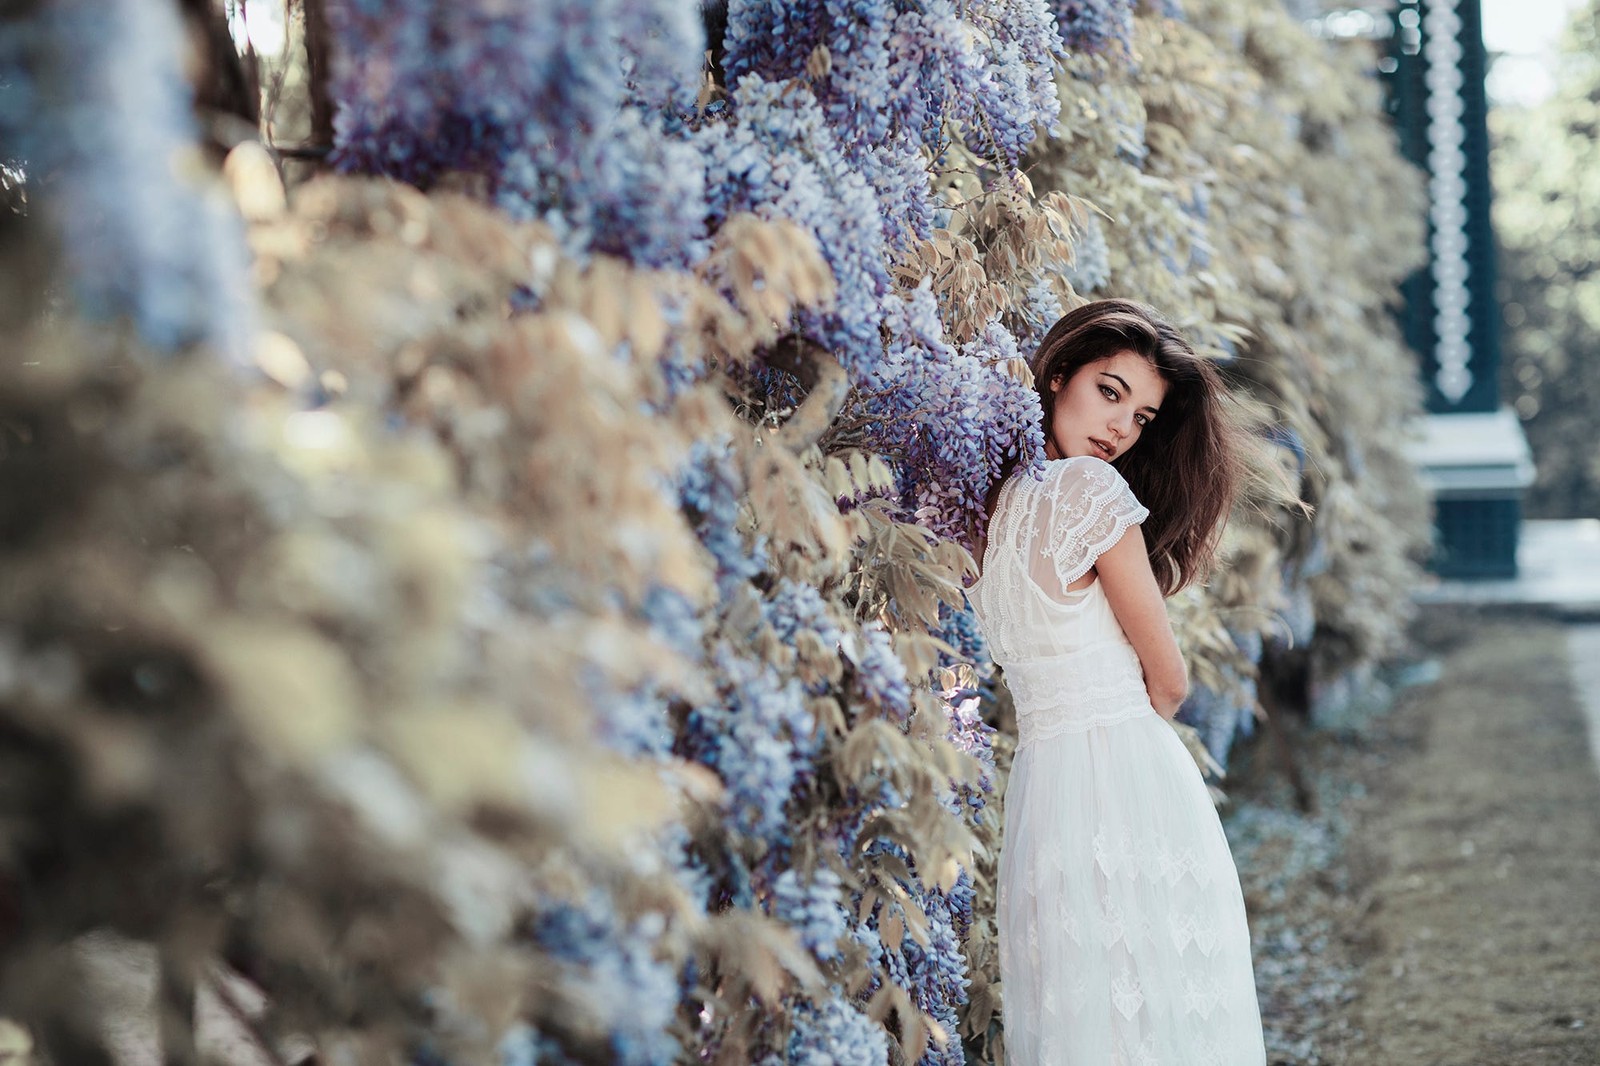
[[1142, 420], [1111, 394]]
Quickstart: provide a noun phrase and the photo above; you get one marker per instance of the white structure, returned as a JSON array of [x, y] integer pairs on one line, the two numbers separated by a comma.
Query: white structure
[[1475, 455]]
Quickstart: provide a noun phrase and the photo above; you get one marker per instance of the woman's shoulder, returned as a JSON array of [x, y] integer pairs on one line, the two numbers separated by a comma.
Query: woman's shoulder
[[1085, 484], [1086, 464], [1091, 472]]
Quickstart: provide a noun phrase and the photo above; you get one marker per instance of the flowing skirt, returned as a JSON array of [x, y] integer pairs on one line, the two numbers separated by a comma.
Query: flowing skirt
[[1122, 927]]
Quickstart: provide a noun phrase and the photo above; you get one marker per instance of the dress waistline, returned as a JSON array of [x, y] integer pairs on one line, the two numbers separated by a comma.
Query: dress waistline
[[1095, 686]]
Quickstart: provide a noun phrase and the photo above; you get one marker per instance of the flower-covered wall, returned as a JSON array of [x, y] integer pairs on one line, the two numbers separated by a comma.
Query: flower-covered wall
[[499, 600]]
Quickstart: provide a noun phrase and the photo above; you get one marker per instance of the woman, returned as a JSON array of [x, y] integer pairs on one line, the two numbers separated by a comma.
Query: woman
[[1122, 927]]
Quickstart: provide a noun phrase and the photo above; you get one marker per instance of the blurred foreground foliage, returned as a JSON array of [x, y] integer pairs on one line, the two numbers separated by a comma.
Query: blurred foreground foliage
[[501, 603]]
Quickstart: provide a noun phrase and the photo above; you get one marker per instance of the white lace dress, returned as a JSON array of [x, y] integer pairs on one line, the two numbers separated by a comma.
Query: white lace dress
[[1122, 927]]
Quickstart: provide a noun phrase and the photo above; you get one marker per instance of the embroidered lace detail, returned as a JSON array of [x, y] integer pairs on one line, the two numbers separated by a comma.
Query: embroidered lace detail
[[1098, 685], [1085, 512], [1201, 986], [1198, 929], [1127, 995], [1153, 860], [1045, 535], [1146, 1054], [1201, 997]]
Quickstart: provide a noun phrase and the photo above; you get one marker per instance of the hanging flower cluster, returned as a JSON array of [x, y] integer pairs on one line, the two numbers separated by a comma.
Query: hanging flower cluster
[[566, 112], [103, 154]]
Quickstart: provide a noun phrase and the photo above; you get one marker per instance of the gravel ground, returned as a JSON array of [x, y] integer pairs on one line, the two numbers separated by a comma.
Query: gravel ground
[[1440, 904], [1299, 891]]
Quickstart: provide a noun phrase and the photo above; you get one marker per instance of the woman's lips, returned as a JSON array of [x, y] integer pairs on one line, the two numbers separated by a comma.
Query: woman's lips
[[1102, 447]]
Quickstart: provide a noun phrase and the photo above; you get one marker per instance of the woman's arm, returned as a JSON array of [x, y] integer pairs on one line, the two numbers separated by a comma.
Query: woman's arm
[[1130, 586]]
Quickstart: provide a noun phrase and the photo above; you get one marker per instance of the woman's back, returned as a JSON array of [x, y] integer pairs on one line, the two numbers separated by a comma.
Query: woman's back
[[1046, 534], [1067, 662]]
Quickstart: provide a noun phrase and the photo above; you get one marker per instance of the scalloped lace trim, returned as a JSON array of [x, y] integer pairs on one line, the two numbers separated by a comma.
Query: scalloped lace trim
[[1091, 514]]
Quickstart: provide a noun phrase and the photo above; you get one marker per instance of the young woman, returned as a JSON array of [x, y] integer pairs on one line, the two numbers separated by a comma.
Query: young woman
[[1122, 926]]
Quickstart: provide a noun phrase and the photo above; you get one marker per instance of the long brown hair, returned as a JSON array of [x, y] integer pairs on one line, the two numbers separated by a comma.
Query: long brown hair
[[1187, 466]]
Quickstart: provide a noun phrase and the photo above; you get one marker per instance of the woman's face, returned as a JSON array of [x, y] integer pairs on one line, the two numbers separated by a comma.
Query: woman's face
[[1103, 407]]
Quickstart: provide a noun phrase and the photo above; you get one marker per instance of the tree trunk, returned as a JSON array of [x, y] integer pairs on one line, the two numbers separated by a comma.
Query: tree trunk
[[226, 83], [319, 56]]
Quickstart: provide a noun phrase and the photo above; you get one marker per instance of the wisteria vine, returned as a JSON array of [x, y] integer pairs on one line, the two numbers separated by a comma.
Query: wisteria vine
[[801, 680], [110, 159], [834, 115]]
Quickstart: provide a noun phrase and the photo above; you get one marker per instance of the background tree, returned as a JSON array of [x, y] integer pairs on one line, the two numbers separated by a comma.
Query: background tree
[[1547, 215]]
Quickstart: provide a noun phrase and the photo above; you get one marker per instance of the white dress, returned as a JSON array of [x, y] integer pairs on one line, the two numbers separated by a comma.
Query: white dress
[[1122, 927]]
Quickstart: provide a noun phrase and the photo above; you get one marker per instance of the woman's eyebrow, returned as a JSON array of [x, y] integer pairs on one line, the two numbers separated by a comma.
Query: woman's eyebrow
[[1120, 380]]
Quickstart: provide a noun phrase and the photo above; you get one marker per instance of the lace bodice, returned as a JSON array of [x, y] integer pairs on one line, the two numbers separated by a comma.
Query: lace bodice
[[1067, 661]]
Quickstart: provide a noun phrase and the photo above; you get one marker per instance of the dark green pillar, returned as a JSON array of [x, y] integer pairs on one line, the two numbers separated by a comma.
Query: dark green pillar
[[1476, 457]]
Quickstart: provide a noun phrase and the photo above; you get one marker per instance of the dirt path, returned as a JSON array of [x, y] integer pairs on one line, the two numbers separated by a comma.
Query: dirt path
[[1445, 898], [1482, 851]]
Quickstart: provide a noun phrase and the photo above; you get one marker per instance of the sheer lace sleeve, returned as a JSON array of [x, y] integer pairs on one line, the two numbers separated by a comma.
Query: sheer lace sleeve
[[1083, 508]]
